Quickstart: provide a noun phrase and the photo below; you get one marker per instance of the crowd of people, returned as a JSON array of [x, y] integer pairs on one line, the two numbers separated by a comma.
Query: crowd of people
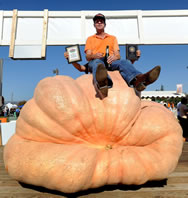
[[10, 112], [180, 111]]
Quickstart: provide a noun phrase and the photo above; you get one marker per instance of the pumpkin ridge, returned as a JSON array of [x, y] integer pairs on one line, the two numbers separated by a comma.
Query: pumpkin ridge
[[125, 114], [98, 133], [47, 111], [80, 150], [142, 162], [163, 157], [114, 166], [94, 170], [102, 103], [91, 181], [105, 132], [147, 104], [123, 137], [82, 133], [45, 130], [100, 168], [47, 137], [106, 104], [156, 160], [111, 134], [108, 166], [29, 122], [115, 120], [121, 166], [138, 170], [90, 107], [146, 120]]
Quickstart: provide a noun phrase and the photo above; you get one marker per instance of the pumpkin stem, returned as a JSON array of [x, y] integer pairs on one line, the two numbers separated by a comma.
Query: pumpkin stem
[[108, 146]]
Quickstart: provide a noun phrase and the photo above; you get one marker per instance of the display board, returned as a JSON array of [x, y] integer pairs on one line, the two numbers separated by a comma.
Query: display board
[[29, 32]]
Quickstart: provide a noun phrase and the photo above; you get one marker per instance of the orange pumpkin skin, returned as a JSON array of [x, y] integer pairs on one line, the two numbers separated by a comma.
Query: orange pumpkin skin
[[69, 140]]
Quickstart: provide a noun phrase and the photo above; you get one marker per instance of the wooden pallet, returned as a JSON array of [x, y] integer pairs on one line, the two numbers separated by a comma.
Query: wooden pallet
[[176, 186]]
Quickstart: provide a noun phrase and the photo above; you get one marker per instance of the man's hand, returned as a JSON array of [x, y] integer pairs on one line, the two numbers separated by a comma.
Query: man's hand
[[66, 55], [90, 56], [98, 55], [138, 53], [75, 64], [111, 59], [114, 57]]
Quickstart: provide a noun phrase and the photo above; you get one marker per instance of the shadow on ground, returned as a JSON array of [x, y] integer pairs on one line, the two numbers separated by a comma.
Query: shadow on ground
[[150, 184]]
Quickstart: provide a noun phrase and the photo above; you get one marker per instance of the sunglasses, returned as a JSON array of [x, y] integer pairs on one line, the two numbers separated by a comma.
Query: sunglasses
[[99, 20]]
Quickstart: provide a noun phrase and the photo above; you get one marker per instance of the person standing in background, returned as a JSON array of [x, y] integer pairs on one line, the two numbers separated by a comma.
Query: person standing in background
[[182, 111]]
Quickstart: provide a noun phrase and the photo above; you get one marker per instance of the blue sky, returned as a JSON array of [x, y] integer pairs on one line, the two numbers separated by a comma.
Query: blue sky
[[21, 77]]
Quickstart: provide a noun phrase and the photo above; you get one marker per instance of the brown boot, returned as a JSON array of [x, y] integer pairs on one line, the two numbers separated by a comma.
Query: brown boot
[[102, 81], [142, 80]]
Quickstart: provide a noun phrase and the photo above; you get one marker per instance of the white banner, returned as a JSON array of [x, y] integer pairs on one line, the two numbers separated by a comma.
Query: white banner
[[179, 88]]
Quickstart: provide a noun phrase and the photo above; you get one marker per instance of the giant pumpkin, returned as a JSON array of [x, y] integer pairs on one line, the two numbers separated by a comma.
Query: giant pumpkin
[[70, 140]]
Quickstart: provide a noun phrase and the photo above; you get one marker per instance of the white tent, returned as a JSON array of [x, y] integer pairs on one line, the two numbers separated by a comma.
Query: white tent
[[165, 94], [9, 105]]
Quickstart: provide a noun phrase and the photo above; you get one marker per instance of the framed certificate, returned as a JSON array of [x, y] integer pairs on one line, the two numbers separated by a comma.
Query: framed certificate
[[74, 53]]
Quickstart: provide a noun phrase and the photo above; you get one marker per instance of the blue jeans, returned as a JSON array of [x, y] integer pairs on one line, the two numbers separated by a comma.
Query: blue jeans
[[125, 68]]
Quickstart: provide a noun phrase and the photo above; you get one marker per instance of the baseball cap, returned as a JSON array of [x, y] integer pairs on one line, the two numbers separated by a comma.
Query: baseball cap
[[99, 16]]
